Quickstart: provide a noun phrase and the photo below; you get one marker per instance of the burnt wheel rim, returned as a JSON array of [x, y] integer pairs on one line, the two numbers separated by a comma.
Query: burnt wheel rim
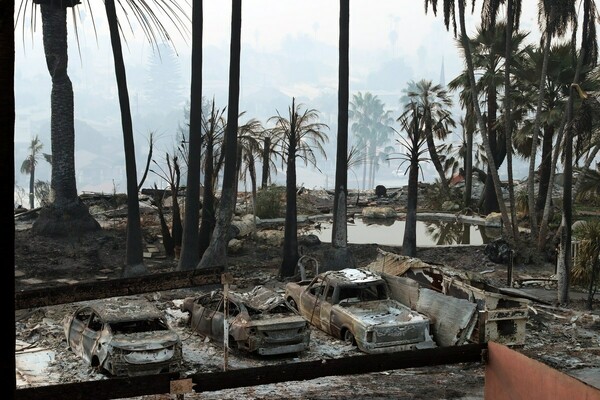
[[348, 337]]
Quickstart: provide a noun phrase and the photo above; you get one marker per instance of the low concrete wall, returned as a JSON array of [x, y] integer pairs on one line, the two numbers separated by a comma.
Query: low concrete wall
[[510, 375]]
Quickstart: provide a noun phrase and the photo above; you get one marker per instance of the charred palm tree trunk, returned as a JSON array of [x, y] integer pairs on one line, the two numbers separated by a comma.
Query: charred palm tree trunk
[[266, 162], [252, 172], [32, 185], [563, 270], [545, 166], [491, 202], [290, 239], [433, 154], [207, 225], [134, 265], [409, 242], [508, 115], [66, 214], [189, 244], [216, 254], [482, 126], [339, 234]]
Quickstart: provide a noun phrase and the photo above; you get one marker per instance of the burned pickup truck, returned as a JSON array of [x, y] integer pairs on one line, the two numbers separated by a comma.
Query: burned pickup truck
[[354, 305]]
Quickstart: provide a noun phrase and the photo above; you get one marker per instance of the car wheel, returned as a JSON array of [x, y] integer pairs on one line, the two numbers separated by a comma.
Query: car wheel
[[293, 304], [348, 337]]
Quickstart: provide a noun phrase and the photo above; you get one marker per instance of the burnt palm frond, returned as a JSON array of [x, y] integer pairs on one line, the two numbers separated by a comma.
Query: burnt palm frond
[[155, 18]]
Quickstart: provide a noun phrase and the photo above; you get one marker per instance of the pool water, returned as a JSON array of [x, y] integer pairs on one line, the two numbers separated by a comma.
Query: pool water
[[390, 232]]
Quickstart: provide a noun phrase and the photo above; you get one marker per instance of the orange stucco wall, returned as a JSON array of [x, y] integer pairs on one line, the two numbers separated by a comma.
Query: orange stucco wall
[[510, 375]]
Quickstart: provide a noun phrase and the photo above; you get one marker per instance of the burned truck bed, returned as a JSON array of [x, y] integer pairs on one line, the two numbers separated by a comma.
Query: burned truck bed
[[472, 310]]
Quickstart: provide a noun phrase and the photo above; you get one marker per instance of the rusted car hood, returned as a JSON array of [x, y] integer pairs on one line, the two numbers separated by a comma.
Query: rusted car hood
[[381, 312], [260, 298], [145, 340]]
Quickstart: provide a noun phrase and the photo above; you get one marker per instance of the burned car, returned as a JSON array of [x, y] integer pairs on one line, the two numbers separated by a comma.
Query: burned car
[[354, 305], [123, 338], [259, 321]]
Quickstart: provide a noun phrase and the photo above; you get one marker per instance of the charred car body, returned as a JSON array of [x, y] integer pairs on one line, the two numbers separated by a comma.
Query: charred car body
[[123, 338], [354, 305], [259, 321]]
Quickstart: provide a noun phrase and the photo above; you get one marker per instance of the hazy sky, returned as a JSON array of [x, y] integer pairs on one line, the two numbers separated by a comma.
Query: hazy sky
[[289, 48]]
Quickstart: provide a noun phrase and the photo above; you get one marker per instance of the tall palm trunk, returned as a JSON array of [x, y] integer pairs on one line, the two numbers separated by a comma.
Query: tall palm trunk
[[563, 268], [564, 260], [209, 220], [290, 239], [545, 165], [543, 229], [482, 126], [66, 215], [339, 233], [364, 174], [252, 173], [54, 23], [216, 254], [189, 246], [468, 161], [435, 157], [508, 116], [32, 185], [491, 200], [266, 162], [409, 241], [533, 219], [135, 254]]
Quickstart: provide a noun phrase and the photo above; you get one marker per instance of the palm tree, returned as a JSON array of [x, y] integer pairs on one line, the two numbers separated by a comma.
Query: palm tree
[[555, 19], [489, 60], [30, 163], [559, 76], [586, 180], [172, 175], [434, 104], [249, 148], [468, 131], [65, 214], [450, 16], [412, 122], [339, 232], [189, 244], [587, 267], [371, 128], [513, 16], [588, 54], [134, 264], [303, 137], [216, 253], [270, 144], [214, 125], [490, 11]]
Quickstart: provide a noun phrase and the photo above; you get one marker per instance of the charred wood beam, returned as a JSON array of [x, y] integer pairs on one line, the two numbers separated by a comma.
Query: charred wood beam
[[113, 388], [205, 382], [337, 366], [62, 294]]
